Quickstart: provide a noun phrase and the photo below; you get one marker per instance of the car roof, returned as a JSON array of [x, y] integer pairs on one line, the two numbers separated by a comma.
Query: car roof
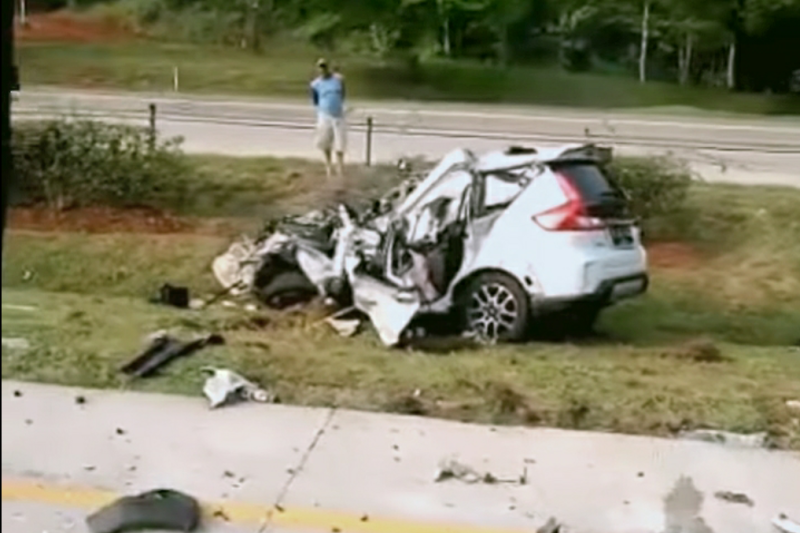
[[515, 157]]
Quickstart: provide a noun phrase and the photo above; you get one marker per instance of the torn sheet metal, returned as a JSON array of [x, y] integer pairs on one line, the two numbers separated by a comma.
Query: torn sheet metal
[[390, 309], [224, 386]]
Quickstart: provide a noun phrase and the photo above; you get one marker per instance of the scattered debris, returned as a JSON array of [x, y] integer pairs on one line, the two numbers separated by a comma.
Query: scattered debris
[[224, 386], [80, 400], [163, 349], [734, 497], [120, 431], [453, 469], [365, 518], [17, 394], [551, 526], [160, 509], [16, 343], [14, 307], [793, 404], [785, 524], [173, 296], [738, 440], [346, 327], [221, 514]]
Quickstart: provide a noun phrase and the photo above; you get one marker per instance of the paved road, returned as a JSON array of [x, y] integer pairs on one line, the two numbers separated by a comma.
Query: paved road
[[346, 471], [722, 149]]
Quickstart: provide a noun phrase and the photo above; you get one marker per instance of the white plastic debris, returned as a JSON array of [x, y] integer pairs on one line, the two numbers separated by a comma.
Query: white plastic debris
[[785, 524], [344, 327], [16, 343], [223, 386], [793, 404], [737, 440]]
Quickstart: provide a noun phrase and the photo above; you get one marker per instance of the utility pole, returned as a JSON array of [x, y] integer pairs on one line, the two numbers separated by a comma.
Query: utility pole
[[9, 81]]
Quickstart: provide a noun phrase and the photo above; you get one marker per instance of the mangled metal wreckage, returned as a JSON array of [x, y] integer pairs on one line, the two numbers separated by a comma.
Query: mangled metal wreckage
[[495, 240]]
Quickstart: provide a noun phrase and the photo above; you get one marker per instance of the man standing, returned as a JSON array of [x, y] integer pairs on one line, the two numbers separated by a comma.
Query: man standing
[[327, 93]]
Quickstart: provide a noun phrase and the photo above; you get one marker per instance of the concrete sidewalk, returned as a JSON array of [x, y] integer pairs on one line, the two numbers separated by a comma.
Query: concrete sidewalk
[[327, 470]]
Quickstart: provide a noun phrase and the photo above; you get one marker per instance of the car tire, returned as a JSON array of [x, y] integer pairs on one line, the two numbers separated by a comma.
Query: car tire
[[494, 307], [287, 289]]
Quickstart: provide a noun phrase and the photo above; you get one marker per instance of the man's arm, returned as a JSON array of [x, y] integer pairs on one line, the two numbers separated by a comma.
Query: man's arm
[[314, 95], [341, 81]]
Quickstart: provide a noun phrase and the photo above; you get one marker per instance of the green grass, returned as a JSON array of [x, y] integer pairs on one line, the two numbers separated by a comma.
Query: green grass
[[84, 339], [284, 70], [733, 298]]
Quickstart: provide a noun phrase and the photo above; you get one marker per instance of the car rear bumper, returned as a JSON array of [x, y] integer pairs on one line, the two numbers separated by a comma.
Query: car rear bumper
[[608, 292]]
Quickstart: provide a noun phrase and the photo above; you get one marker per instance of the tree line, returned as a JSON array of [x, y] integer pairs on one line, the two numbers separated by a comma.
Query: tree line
[[740, 44]]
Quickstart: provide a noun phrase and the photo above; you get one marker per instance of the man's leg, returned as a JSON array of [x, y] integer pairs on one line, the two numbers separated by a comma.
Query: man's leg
[[328, 162], [340, 144], [324, 141]]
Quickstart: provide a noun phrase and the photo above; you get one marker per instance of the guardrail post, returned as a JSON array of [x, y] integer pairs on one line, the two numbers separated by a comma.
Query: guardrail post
[[152, 129], [369, 141]]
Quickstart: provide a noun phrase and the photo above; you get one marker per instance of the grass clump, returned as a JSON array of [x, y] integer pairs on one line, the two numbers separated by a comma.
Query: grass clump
[[66, 164]]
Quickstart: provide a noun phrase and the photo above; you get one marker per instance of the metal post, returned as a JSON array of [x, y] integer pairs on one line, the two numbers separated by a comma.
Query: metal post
[[9, 83], [369, 141], [152, 130]]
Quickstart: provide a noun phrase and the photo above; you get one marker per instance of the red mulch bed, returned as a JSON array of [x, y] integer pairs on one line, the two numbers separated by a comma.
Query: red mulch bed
[[63, 26], [99, 220]]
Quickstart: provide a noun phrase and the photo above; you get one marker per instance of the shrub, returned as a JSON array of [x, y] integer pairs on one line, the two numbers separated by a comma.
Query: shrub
[[65, 164], [657, 186]]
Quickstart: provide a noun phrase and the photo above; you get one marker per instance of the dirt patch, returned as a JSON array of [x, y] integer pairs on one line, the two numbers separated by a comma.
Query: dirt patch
[[68, 27], [108, 220], [674, 255]]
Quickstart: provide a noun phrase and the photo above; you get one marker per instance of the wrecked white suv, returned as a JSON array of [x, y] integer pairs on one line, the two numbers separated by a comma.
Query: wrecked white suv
[[498, 243]]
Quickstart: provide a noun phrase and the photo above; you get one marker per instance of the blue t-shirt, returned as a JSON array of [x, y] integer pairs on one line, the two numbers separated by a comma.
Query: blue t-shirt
[[328, 95]]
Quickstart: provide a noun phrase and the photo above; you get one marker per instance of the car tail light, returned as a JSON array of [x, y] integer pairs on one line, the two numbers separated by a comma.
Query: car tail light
[[569, 216]]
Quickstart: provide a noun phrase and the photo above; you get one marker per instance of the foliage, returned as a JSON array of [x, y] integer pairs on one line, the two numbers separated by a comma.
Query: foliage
[[689, 41], [65, 164], [656, 185]]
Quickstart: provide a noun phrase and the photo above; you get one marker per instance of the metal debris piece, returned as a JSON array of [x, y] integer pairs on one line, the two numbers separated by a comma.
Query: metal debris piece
[[452, 469], [224, 386], [738, 440], [163, 349], [162, 509], [785, 524], [734, 497]]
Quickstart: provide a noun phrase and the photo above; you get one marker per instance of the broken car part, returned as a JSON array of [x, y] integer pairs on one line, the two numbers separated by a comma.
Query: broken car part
[[785, 524], [738, 440], [497, 241], [162, 509], [174, 296], [163, 349], [224, 386]]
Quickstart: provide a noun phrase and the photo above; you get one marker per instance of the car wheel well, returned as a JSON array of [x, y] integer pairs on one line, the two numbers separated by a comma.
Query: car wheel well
[[464, 283]]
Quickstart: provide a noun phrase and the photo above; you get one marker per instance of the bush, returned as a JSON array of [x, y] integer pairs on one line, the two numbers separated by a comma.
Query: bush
[[657, 186], [65, 164]]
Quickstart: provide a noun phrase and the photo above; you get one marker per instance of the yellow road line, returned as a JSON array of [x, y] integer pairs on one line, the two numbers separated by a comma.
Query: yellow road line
[[294, 518]]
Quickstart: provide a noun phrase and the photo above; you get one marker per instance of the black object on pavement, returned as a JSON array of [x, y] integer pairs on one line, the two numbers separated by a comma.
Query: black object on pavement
[[164, 349], [161, 509]]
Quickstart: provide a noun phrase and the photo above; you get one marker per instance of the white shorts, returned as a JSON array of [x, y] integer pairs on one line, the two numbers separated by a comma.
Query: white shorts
[[331, 133]]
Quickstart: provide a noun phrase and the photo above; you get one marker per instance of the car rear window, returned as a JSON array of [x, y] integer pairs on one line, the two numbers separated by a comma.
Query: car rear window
[[601, 196], [590, 181]]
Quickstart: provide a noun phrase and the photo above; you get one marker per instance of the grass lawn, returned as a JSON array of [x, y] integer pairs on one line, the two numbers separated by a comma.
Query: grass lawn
[[711, 345], [284, 70]]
